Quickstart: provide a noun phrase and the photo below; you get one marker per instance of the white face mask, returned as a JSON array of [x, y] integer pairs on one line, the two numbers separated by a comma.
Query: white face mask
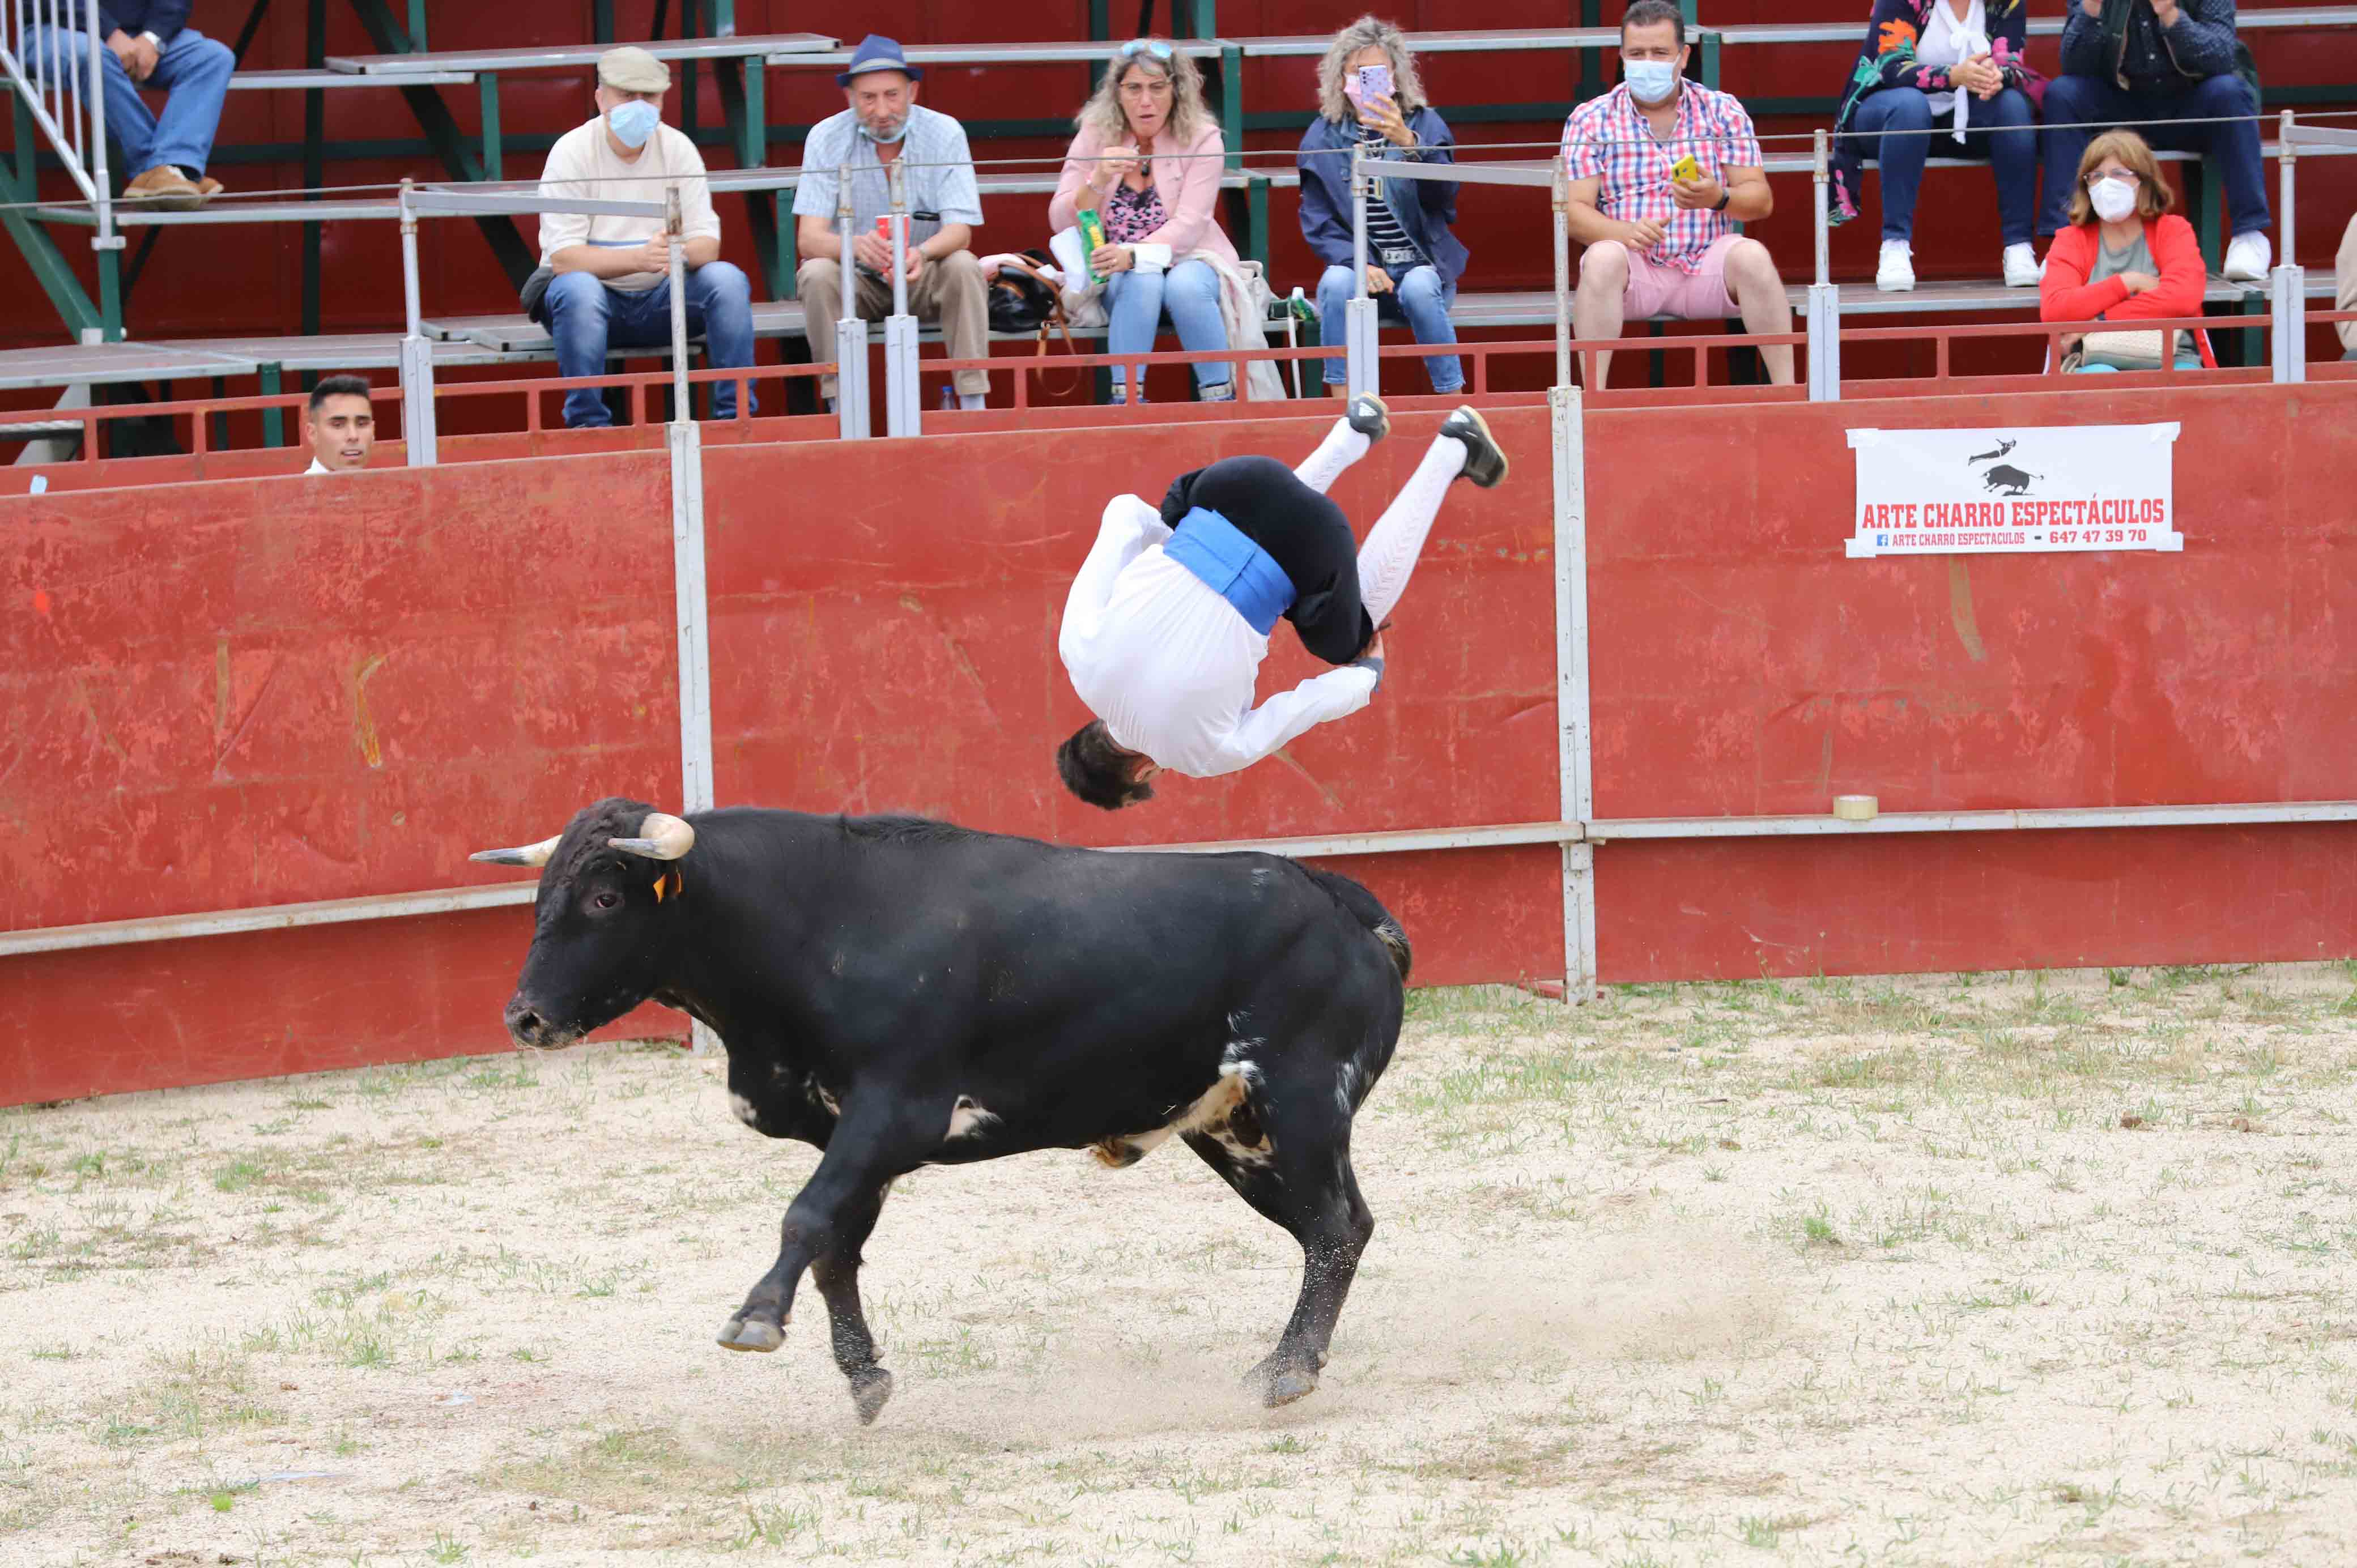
[[2113, 199]]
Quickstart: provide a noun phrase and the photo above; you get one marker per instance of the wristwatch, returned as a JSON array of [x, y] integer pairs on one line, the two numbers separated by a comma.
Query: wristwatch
[[1725, 196]]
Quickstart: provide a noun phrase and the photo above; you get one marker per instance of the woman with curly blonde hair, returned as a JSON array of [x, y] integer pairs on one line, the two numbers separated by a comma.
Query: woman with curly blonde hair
[[1149, 159], [1414, 262]]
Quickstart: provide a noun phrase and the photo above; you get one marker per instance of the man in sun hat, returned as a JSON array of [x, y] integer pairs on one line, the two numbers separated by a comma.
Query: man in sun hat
[[882, 124], [612, 284]]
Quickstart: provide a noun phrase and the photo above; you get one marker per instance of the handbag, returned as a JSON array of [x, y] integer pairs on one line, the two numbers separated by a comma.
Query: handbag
[[2125, 350], [1023, 301]]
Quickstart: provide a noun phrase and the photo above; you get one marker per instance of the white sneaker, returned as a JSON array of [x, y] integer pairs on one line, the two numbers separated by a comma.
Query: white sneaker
[[2022, 267], [1896, 274], [2248, 257]]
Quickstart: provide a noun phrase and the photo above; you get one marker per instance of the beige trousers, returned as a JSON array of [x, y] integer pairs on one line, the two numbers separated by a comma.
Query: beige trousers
[[2345, 287], [949, 291]]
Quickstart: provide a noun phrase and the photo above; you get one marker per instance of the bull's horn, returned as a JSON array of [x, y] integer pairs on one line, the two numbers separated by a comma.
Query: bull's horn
[[528, 854], [661, 837]]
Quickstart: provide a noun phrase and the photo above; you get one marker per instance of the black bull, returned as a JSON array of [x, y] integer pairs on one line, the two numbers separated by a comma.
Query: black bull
[[902, 992]]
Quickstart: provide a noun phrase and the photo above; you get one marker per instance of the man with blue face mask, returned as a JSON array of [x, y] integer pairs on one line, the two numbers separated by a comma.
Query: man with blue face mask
[[1659, 242], [883, 124], [612, 284]]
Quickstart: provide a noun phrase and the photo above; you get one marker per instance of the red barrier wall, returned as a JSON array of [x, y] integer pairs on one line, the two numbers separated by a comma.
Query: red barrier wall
[[182, 670]]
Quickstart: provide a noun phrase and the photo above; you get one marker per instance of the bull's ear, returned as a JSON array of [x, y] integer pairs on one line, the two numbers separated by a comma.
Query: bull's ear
[[661, 837], [527, 855]]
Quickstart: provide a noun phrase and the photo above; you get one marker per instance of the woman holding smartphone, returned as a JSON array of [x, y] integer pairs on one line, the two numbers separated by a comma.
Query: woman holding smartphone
[[1368, 97]]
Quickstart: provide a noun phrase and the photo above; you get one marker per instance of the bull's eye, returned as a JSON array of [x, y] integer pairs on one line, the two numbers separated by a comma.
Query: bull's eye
[[606, 900]]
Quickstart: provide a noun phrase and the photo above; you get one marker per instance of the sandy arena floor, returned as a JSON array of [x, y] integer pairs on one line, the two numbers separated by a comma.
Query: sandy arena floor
[[1945, 1271]]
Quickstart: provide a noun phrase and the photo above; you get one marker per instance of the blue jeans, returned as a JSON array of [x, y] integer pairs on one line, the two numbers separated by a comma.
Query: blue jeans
[[2071, 99], [586, 318], [1135, 301], [1420, 297], [2003, 130], [2186, 359], [193, 74]]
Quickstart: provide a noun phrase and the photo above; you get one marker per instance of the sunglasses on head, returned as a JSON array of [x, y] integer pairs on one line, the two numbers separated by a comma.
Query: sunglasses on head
[[1153, 46]]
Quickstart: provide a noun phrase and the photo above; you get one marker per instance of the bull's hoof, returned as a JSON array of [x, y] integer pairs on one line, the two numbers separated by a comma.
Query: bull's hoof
[[870, 1387], [1281, 1382], [751, 1334]]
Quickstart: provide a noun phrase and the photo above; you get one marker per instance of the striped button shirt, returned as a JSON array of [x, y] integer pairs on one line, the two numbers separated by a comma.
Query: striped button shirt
[[939, 179], [1608, 138]]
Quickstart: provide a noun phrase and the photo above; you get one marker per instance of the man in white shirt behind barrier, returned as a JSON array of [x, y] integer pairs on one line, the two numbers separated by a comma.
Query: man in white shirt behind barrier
[[1169, 620]]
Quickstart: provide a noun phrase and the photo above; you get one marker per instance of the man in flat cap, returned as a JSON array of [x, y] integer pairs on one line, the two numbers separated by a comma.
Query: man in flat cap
[[882, 123], [612, 286]]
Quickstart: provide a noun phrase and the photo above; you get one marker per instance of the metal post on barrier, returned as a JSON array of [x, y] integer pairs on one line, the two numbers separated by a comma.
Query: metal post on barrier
[[684, 439], [417, 352], [1824, 298], [675, 272], [850, 331], [902, 413], [1359, 331], [1562, 192], [2288, 306], [1566, 414], [106, 242]]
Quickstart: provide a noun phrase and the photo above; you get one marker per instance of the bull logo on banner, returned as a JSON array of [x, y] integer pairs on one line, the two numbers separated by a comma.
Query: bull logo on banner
[[1939, 492]]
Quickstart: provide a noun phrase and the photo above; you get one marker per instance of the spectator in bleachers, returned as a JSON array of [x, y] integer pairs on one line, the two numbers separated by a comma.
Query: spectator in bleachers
[[2135, 62], [1414, 262], [1164, 251], [884, 122], [1958, 64], [340, 425], [149, 44], [2344, 289], [612, 282], [2125, 256], [1659, 244]]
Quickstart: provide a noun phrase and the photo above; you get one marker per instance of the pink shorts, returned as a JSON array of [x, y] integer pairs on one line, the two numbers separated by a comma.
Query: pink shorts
[[1656, 288]]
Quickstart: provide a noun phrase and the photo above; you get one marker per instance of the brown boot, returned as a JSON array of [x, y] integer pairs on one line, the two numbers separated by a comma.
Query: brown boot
[[207, 189], [166, 188]]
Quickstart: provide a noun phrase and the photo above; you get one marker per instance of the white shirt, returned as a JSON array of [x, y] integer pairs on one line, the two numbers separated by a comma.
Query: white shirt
[[317, 468], [1169, 665], [1948, 41], [584, 164]]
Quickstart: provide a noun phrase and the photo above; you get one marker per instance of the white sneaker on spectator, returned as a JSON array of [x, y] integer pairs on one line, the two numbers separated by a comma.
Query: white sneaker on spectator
[[2022, 267], [1896, 274], [2248, 257]]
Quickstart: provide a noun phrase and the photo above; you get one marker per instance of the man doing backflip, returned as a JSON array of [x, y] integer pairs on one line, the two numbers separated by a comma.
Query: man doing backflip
[[1170, 618]]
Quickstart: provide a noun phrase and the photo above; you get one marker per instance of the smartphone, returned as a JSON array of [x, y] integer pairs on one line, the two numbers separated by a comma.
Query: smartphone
[[1375, 81], [1686, 168]]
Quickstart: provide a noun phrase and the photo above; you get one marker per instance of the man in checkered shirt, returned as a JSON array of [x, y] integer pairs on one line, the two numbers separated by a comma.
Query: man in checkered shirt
[[1658, 245]]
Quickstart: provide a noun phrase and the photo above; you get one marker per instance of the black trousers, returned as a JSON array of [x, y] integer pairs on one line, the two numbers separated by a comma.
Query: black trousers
[[1303, 532]]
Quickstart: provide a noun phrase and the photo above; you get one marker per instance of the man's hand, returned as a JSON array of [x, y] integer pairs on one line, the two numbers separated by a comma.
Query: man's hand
[[873, 251], [916, 268], [2140, 282], [1378, 280], [1643, 235], [654, 256], [144, 60], [128, 49], [2092, 7], [1692, 194], [2166, 13], [1384, 116]]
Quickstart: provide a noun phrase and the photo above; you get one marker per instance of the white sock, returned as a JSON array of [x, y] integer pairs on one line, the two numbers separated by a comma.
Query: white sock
[[1341, 447], [970, 400], [1397, 539]]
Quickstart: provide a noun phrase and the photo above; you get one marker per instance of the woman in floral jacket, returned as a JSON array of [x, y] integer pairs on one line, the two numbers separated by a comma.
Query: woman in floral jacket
[[1956, 65]]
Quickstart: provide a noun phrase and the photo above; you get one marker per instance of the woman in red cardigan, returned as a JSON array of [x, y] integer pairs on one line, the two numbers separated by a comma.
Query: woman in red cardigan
[[2125, 256]]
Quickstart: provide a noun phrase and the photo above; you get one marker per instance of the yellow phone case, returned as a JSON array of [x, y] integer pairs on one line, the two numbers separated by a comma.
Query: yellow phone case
[[1686, 168]]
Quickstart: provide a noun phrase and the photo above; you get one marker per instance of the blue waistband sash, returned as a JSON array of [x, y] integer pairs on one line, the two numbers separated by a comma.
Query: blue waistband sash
[[1231, 567]]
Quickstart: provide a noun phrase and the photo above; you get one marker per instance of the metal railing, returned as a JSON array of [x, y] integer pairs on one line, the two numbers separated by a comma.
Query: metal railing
[[61, 86]]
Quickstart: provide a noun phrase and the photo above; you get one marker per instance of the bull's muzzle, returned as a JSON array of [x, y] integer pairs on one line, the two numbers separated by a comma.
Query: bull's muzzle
[[528, 1026]]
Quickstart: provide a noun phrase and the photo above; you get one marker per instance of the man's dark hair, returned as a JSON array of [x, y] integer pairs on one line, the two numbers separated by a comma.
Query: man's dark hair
[[1651, 13], [1098, 771], [336, 386]]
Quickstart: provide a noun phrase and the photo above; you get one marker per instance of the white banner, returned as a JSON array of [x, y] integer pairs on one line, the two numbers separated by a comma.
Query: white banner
[[2077, 486]]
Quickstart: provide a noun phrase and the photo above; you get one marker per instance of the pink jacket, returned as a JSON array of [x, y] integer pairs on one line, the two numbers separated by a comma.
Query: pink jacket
[[1189, 188]]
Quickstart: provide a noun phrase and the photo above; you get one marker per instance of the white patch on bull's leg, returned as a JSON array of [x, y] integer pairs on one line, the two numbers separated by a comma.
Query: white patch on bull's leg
[[1213, 1113], [1346, 1088], [744, 1110], [1121, 1153], [820, 1097], [968, 1118]]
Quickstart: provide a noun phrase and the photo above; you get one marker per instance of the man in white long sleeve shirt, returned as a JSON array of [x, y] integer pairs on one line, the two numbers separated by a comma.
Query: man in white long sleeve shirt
[[1169, 620]]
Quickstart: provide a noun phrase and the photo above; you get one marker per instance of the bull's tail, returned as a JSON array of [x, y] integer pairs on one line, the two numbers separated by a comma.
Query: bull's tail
[[1368, 911]]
